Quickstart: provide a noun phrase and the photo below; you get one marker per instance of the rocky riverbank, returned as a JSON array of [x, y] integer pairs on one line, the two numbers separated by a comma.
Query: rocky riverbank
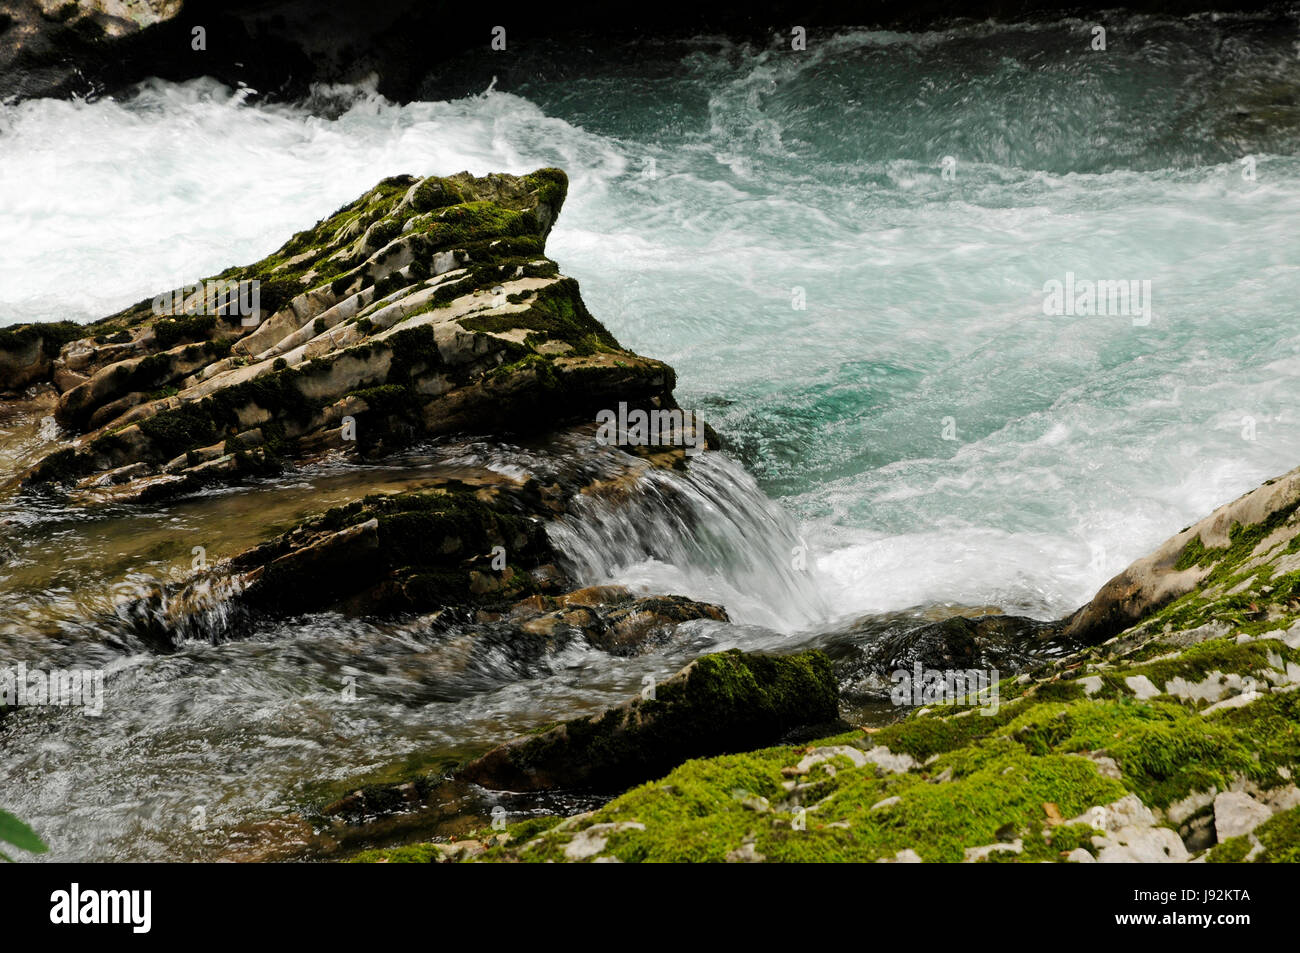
[[1174, 739]]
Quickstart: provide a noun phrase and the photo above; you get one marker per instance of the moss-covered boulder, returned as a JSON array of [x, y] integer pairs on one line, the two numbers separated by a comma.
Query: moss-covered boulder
[[424, 308], [725, 702], [610, 618]]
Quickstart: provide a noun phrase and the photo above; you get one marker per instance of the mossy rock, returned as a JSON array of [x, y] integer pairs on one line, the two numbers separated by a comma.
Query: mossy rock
[[724, 702]]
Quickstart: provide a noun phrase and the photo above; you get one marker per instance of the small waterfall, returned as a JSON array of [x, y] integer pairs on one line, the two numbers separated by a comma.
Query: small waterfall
[[166, 614], [708, 533]]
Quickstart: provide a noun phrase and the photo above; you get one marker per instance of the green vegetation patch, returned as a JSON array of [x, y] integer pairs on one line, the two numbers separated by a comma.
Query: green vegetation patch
[[556, 310]]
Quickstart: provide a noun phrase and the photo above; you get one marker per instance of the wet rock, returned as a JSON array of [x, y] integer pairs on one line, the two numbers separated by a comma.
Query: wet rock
[[46, 44], [726, 702], [463, 554], [28, 352], [610, 619], [645, 623], [407, 552], [873, 649]]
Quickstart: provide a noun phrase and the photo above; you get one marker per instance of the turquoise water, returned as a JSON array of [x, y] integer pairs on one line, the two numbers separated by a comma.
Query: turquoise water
[[710, 179]]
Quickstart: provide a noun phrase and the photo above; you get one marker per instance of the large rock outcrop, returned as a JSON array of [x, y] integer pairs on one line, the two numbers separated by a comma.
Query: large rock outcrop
[[426, 307], [423, 312]]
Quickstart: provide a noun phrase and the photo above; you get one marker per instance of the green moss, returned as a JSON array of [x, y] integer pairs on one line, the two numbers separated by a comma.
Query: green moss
[[1070, 837], [1243, 539], [1280, 836], [415, 351], [525, 831], [393, 416], [62, 466], [1194, 553], [426, 529], [701, 811], [388, 284], [474, 221], [1059, 691], [382, 233], [276, 293], [52, 335], [410, 854], [205, 422], [551, 184], [168, 332], [922, 737], [557, 311], [1222, 655], [434, 193]]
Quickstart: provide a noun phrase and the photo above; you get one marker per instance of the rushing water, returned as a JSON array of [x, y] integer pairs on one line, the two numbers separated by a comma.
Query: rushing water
[[709, 181]]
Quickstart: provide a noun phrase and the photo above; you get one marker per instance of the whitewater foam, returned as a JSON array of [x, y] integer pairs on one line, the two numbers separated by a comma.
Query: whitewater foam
[[702, 198]]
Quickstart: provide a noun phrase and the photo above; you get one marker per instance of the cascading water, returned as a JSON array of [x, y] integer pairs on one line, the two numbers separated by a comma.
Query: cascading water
[[707, 532]]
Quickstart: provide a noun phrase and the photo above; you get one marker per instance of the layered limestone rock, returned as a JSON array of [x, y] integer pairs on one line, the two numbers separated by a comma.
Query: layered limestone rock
[[425, 310], [426, 307]]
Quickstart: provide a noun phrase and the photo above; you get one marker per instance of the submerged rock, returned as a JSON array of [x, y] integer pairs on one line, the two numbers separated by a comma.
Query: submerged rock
[[1002, 642], [610, 617], [726, 702]]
